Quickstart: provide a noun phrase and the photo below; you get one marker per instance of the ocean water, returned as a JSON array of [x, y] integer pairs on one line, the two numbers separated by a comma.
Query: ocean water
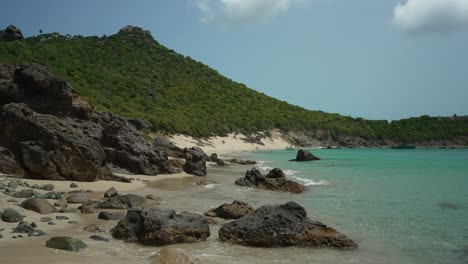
[[401, 206]]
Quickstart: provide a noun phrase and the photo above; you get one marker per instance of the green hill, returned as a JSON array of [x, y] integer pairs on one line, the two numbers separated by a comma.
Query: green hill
[[131, 74]]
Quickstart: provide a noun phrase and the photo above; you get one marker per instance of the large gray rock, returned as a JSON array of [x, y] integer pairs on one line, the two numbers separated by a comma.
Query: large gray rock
[[154, 226], [11, 216], [304, 155], [275, 180], [66, 243], [40, 206], [234, 210], [126, 201], [195, 161], [282, 226]]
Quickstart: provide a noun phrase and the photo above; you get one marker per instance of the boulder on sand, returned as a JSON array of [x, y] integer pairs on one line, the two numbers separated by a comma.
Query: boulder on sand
[[40, 206], [153, 226], [66, 243], [11, 216], [282, 226]]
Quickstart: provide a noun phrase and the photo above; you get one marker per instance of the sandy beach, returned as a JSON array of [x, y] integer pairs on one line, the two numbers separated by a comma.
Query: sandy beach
[[231, 144]]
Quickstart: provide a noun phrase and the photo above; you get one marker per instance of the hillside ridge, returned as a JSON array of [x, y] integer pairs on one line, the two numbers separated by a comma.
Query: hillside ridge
[[133, 75]]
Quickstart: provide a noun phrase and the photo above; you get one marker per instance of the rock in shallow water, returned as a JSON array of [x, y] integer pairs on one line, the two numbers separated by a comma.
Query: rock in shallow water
[[282, 226], [173, 256], [99, 238], [195, 161], [275, 180], [154, 226], [66, 243], [305, 155]]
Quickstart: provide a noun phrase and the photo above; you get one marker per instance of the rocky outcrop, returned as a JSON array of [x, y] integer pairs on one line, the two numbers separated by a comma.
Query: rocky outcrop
[[11, 33], [171, 149], [282, 226], [275, 180], [52, 148], [304, 155], [126, 148], [140, 124], [154, 226], [195, 161], [50, 132], [234, 210]]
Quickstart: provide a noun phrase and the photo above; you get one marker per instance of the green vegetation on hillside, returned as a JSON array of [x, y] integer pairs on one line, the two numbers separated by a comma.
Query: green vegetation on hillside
[[131, 74]]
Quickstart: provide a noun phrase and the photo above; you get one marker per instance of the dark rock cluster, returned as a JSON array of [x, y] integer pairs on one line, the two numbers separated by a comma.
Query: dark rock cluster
[[50, 132], [275, 180], [282, 226], [304, 155]]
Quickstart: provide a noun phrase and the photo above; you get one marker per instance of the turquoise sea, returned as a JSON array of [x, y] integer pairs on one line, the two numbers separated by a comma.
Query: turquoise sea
[[401, 206]]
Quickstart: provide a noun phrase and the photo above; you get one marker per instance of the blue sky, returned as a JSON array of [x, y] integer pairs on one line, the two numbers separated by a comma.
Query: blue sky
[[384, 59]]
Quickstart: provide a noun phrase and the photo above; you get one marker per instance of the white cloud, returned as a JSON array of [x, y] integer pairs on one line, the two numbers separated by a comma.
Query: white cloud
[[228, 13], [431, 16]]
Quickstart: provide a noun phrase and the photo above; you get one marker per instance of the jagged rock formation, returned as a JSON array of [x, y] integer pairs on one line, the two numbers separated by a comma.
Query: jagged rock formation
[[11, 33], [304, 155], [282, 226], [195, 161], [50, 132], [275, 180]]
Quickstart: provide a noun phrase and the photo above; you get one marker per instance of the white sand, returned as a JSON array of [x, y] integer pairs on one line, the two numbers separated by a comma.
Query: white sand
[[97, 187], [231, 143]]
